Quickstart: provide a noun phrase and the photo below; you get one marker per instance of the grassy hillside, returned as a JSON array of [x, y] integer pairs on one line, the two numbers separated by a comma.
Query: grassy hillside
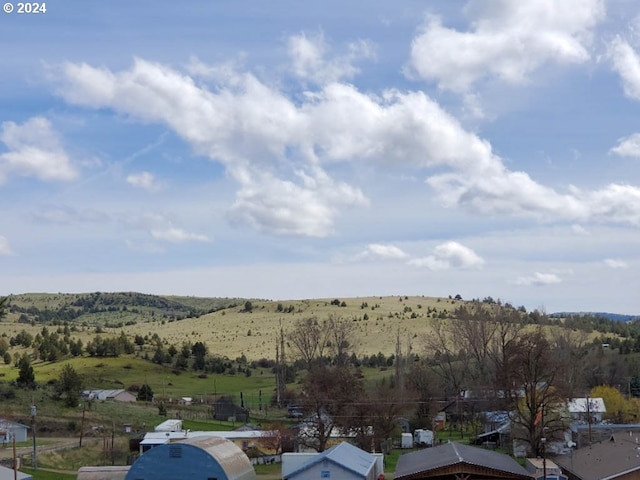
[[224, 324]]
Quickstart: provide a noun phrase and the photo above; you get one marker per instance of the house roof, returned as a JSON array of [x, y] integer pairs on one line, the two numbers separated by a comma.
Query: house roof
[[344, 454], [159, 438], [104, 394], [455, 453], [603, 461], [4, 424], [579, 405], [7, 474]]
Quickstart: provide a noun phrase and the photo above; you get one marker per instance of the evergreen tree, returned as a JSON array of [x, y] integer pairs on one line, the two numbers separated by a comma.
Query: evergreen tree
[[26, 377], [69, 386], [145, 394]]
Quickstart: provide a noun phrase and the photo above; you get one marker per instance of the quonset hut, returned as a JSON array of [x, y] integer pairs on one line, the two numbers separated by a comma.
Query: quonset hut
[[200, 458]]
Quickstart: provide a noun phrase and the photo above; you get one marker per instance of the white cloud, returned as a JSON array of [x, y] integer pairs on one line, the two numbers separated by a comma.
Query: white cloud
[[538, 279], [628, 146], [160, 228], [613, 263], [280, 151], [449, 255], [177, 235], [579, 230], [309, 58], [283, 207], [145, 180], [381, 251], [65, 214], [507, 39], [626, 62], [5, 248], [34, 150]]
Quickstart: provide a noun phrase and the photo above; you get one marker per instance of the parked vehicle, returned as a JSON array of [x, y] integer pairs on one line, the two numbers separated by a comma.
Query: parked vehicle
[[423, 437]]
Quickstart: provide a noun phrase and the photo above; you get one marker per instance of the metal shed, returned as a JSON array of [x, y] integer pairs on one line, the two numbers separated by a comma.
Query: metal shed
[[102, 473], [201, 458]]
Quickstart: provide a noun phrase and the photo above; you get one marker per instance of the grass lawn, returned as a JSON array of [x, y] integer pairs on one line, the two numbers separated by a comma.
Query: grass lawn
[[47, 475]]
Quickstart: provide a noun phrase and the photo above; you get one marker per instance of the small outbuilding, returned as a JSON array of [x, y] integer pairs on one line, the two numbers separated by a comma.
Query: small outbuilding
[[200, 458], [225, 409], [453, 461], [12, 430], [344, 462]]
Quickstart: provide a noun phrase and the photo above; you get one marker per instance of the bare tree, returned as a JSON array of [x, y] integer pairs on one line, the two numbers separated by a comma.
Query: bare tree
[[386, 403], [509, 325], [278, 437], [538, 412], [342, 335], [328, 398], [474, 331], [450, 361], [309, 338], [570, 349]]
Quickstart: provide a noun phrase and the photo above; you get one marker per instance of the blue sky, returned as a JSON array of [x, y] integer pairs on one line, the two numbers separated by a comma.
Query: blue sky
[[293, 149]]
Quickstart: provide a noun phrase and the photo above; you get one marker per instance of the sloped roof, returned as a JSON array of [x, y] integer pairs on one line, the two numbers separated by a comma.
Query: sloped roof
[[4, 423], [8, 474], [603, 461], [344, 454], [455, 453]]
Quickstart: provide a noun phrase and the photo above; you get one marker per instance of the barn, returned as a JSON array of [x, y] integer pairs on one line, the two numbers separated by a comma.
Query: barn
[[200, 458], [452, 461], [13, 430]]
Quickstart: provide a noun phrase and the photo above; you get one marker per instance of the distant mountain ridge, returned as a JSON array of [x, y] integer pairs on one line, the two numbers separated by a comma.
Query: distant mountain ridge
[[610, 316]]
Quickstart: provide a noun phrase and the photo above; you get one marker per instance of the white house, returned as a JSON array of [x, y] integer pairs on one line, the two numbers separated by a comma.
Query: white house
[[10, 430], [119, 395], [581, 408], [343, 461]]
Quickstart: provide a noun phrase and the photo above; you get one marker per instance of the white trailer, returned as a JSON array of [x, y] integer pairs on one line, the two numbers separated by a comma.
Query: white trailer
[[423, 437], [406, 441]]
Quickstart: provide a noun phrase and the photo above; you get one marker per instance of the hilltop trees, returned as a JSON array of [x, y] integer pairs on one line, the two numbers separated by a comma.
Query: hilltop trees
[[318, 342], [4, 304]]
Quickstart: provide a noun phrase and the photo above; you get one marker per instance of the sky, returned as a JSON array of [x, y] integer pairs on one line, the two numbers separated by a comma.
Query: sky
[[301, 149]]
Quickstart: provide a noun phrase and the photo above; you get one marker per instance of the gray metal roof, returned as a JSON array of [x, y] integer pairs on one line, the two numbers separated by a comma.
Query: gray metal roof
[[8, 474], [616, 457], [455, 453], [344, 454]]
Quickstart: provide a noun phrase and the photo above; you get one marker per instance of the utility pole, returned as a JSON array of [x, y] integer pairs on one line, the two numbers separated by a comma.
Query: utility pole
[[34, 460], [589, 417], [544, 447], [15, 460], [84, 406]]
